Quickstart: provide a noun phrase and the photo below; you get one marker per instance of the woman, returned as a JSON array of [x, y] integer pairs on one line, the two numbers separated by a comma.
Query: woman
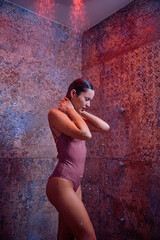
[[71, 125]]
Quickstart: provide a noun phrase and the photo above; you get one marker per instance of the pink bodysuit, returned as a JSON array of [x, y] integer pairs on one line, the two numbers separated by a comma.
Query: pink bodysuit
[[71, 155]]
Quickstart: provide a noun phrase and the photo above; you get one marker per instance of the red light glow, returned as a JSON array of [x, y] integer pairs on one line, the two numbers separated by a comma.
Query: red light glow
[[46, 8], [78, 15]]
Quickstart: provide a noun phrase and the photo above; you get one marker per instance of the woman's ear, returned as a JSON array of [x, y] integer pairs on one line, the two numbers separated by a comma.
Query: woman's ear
[[73, 93]]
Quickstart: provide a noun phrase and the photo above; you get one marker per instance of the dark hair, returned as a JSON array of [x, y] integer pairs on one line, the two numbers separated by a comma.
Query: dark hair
[[80, 85]]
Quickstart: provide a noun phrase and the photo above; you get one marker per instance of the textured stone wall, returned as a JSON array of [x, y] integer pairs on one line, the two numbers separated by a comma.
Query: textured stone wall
[[38, 59], [121, 57]]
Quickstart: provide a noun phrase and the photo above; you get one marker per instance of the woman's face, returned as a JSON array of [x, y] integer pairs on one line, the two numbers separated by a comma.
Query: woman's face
[[82, 102]]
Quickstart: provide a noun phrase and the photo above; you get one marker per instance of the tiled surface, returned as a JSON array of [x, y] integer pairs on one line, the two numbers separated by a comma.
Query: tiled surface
[[121, 186], [129, 199], [121, 56], [38, 60], [90, 188], [24, 210], [37, 63]]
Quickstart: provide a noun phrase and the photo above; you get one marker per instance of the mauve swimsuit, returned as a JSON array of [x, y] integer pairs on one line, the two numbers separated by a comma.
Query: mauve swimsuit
[[71, 155]]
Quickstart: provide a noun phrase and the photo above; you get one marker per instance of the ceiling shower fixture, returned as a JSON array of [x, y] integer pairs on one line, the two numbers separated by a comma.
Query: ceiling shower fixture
[[94, 10]]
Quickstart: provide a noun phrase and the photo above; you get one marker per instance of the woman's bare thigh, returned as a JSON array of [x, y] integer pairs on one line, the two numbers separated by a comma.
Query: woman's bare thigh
[[64, 232], [61, 194], [79, 193]]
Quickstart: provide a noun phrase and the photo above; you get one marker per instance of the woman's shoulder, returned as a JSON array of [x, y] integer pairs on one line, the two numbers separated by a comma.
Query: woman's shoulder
[[56, 114], [53, 111]]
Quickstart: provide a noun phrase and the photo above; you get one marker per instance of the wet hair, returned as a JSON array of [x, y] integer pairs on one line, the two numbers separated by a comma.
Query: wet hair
[[80, 85]]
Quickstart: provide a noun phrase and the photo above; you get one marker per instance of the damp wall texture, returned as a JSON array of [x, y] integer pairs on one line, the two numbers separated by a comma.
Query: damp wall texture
[[121, 188], [38, 60]]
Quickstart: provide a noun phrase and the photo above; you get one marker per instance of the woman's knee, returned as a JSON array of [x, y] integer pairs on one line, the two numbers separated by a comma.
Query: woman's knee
[[86, 232], [71, 209], [63, 231]]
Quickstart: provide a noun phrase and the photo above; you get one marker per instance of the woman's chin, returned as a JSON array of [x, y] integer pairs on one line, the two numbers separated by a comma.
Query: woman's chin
[[80, 111]]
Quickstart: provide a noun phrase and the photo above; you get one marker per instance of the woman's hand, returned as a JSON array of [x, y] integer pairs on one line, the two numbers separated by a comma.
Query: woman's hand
[[65, 104]]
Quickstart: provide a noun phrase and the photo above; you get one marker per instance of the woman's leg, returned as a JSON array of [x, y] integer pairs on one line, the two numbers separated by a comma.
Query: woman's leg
[[79, 193], [61, 194], [63, 231]]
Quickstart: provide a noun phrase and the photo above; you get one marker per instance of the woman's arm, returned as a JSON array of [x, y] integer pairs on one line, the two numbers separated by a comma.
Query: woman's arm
[[66, 120], [94, 123]]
